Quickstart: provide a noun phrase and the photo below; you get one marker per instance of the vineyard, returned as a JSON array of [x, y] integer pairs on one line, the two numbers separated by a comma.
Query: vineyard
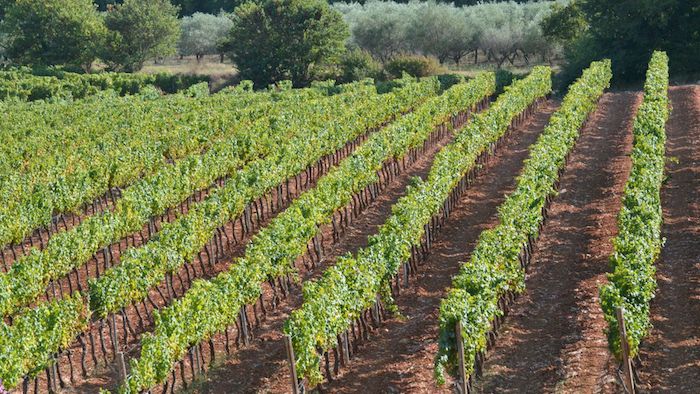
[[55, 85], [419, 235]]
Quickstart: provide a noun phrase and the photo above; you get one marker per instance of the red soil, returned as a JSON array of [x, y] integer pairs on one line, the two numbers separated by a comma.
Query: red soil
[[553, 339], [671, 353]]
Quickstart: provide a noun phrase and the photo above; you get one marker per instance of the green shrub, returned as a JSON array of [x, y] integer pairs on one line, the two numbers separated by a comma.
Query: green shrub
[[418, 66], [357, 64], [505, 78], [150, 92], [448, 80]]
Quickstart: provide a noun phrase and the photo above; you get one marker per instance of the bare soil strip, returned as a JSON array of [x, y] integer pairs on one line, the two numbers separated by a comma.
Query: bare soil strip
[[553, 339], [399, 357], [670, 355]]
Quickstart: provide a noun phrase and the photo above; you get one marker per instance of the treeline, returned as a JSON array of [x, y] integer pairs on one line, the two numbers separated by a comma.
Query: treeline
[[305, 40], [501, 32], [73, 33], [189, 7]]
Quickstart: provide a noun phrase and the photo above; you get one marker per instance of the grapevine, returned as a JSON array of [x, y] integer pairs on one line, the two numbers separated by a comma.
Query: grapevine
[[351, 286], [495, 269], [638, 243]]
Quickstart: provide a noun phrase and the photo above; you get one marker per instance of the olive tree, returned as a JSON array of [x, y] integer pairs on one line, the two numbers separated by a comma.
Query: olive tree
[[274, 40], [503, 30], [203, 34], [441, 30], [381, 28]]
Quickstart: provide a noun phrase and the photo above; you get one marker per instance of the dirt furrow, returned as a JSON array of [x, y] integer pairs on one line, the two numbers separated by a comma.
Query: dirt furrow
[[553, 339], [671, 353]]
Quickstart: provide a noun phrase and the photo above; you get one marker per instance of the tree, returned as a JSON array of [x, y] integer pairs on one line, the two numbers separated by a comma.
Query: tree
[[53, 32], [203, 34], [504, 30], [189, 7], [356, 64], [4, 5], [140, 30], [442, 31], [565, 23], [628, 31], [381, 28], [509, 30], [285, 39]]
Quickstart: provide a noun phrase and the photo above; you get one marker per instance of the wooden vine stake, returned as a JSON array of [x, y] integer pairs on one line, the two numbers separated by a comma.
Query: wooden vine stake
[[292, 364], [462, 378], [121, 365], [628, 382]]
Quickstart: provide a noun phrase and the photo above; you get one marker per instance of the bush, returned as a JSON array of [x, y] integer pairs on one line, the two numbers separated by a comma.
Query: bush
[[171, 83], [505, 78], [198, 90], [357, 64], [150, 92], [449, 80], [417, 66]]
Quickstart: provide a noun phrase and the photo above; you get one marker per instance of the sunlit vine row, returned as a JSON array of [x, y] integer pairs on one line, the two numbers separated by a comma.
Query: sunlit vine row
[[638, 243], [210, 306], [495, 268], [351, 286]]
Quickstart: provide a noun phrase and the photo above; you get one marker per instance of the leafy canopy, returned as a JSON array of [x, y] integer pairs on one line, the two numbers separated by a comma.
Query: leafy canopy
[[140, 30], [285, 39], [187, 7], [50, 32], [565, 23], [202, 34], [628, 31]]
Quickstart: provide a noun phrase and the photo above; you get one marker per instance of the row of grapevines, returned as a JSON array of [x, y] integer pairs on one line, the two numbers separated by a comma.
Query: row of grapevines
[[494, 268], [210, 306], [191, 231], [28, 345], [639, 242], [23, 85], [153, 195], [70, 154], [180, 241], [352, 284]]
